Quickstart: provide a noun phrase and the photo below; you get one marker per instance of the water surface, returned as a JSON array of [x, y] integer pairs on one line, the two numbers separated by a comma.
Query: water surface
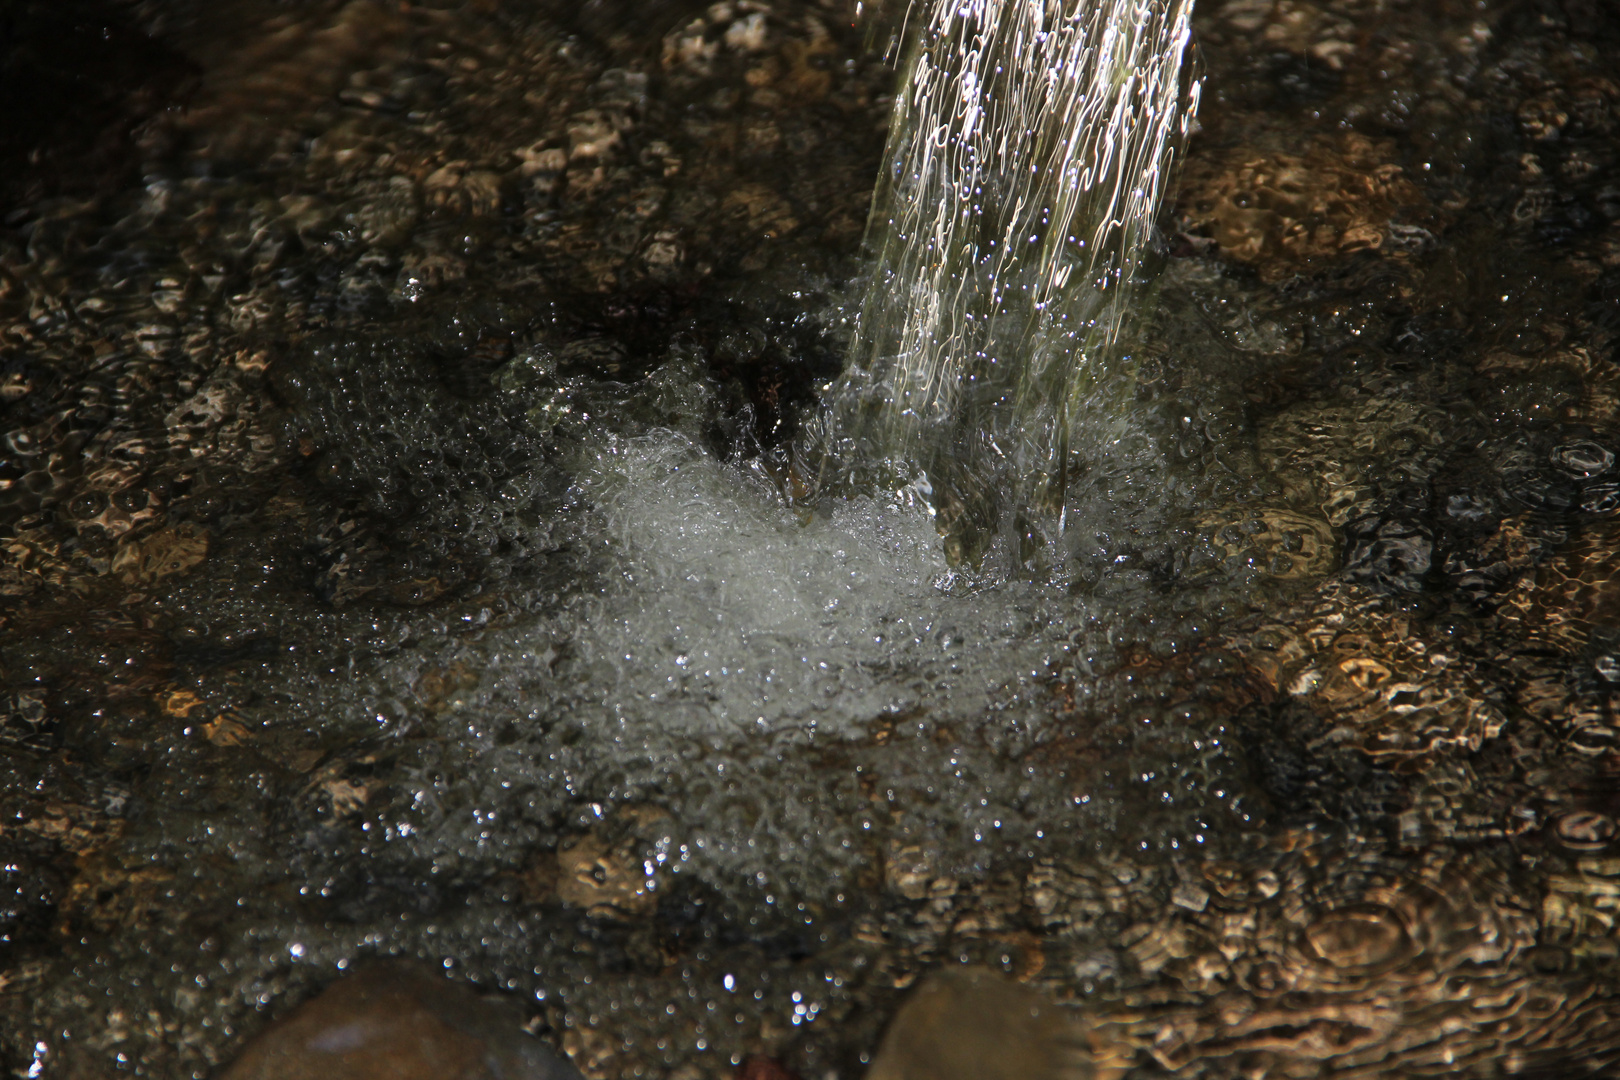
[[404, 553]]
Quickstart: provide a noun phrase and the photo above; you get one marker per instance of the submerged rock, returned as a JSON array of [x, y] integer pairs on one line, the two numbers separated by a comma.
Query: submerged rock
[[399, 1022], [972, 1024], [1282, 213]]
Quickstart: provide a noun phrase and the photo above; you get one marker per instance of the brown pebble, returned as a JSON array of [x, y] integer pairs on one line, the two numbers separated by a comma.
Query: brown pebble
[[397, 1021], [972, 1024], [758, 1067]]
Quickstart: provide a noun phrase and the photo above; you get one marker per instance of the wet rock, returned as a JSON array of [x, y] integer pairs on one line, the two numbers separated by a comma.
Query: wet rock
[[1297, 763], [114, 895], [1343, 942], [1583, 460], [609, 872], [287, 70], [1281, 212], [602, 880], [1278, 542], [971, 1024], [399, 1022], [165, 553], [1388, 554], [1573, 592], [909, 871], [1585, 830], [1328, 455], [758, 1067], [1362, 938], [1564, 384], [1304, 30], [1480, 568], [1392, 691]]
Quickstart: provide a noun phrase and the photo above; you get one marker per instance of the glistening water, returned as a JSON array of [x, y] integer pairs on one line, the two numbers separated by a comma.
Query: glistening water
[[1028, 157], [405, 555]]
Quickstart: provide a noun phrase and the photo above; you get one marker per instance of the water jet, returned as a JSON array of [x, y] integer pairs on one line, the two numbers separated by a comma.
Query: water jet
[[1030, 151]]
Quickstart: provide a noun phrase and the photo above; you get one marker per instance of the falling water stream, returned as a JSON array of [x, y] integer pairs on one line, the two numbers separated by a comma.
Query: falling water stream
[[472, 495], [1028, 158]]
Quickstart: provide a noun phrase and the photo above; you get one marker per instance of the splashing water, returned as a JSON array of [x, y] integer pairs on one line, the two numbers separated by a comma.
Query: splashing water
[[1029, 154]]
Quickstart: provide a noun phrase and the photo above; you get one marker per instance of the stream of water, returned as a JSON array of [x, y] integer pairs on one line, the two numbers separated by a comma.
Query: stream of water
[[1028, 158]]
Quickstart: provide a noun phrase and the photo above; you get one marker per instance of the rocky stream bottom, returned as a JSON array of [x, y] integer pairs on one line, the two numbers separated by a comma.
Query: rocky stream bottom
[[425, 653]]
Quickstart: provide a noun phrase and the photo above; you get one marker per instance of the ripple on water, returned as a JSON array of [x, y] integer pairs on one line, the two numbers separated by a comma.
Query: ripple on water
[[1364, 939]]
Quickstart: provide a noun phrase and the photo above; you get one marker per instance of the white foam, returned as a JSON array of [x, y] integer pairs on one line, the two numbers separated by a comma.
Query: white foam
[[730, 609]]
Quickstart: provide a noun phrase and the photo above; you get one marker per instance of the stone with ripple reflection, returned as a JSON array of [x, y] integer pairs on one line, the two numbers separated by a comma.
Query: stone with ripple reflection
[[972, 1024], [1364, 938]]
